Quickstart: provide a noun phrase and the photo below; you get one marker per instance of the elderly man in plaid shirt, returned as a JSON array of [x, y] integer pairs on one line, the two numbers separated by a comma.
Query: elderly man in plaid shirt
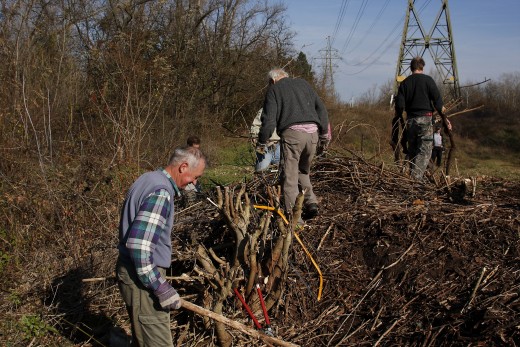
[[145, 248]]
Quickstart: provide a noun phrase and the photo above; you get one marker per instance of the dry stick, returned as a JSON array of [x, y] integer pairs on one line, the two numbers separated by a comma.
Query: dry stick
[[241, 327], [474, 291], [109, 278], [376, 319], [324, 236], [398, 259], [188, 208], [464, 111], [387, 331], [353, 333], [452, 143], [371, 286], [447, 183]]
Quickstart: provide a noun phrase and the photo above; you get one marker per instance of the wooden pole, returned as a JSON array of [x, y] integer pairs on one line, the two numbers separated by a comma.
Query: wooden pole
[[236, 325], [452, 142]]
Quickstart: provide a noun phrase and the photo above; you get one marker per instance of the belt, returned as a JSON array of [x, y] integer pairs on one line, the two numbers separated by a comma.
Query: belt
[[427, 114]]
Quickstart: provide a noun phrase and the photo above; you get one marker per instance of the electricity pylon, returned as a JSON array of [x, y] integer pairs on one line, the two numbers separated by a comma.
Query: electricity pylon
[[328, 74], [438, 41]]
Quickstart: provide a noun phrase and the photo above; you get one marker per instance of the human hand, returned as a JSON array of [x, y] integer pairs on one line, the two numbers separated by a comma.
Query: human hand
[[261, 148], [323, 144], [168, 297]]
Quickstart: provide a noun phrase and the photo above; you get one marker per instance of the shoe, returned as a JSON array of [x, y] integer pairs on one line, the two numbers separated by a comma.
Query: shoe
[[311, 210]]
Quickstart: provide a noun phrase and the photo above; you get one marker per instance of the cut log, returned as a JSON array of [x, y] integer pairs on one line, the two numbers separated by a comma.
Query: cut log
[[236, 325]]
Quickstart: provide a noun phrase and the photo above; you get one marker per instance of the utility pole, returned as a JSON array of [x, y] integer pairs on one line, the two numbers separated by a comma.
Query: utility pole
[[328, 54], [438, 41]]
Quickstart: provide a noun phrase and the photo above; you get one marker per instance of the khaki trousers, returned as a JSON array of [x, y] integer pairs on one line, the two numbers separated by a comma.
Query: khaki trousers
[[298, 150], [150, 323]]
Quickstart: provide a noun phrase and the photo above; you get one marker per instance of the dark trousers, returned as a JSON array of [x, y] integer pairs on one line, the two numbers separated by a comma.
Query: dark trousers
[[437, 155]]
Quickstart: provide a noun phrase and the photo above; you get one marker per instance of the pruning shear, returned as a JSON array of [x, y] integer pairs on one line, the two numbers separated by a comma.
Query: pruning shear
[[267, 330]]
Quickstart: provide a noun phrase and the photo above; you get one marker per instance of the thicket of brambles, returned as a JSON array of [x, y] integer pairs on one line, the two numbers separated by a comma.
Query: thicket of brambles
[[93, 92]]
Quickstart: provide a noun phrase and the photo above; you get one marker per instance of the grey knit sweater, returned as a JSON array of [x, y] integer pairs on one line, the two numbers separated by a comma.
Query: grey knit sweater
[[291, 101]]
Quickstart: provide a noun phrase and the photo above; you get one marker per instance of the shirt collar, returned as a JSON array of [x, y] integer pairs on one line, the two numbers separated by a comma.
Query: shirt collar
[[175, 188]]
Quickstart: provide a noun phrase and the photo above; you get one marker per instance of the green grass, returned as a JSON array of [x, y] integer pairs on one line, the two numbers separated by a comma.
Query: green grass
[[234, 164], [506, 168], [232, 160]]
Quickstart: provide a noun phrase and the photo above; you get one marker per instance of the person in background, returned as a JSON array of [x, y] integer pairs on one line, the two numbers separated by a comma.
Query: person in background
[[419, 96], [299, 116], [191, 190], [193, 141], [272, 153], [438, 146], [145, 248]]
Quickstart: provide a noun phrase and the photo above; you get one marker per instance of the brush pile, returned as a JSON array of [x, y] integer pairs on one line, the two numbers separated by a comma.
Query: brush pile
[[402, 263]]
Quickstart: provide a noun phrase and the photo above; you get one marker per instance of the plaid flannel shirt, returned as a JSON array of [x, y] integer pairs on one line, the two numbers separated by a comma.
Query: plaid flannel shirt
[[146, 228]]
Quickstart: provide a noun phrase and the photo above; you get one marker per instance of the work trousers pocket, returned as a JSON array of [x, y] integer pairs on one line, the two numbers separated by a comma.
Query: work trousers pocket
[[156, 330]]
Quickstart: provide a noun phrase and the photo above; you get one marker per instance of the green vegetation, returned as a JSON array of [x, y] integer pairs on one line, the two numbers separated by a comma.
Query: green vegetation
[[34, 326]]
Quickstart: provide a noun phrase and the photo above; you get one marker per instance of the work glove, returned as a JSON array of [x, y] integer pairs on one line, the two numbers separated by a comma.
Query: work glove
[[168, 297], [261, 148], [323, 143]]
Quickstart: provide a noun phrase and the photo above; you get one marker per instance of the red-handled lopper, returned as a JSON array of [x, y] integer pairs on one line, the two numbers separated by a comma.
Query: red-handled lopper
[[267, 330]]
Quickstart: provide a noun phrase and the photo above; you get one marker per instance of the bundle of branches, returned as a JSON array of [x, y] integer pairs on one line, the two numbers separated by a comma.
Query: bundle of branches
[[401, 262]]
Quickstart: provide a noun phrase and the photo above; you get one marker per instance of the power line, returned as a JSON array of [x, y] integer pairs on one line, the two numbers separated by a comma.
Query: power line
[[339, 21], [372, 25], [385, 40], [354, 25], [382, 44]]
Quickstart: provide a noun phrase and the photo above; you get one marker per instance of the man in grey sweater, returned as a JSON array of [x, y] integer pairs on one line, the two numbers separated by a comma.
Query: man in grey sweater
[[145, 249], [299, 116]]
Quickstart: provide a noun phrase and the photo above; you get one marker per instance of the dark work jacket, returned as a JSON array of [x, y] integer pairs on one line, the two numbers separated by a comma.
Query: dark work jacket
[[418, 95], [291, 101]]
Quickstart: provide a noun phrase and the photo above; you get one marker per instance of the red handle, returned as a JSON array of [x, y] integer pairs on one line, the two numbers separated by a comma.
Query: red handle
[[259, 291], [257, 324]]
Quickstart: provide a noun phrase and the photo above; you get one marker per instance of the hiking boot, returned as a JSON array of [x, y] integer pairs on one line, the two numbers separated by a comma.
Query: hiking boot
[[311, 210]]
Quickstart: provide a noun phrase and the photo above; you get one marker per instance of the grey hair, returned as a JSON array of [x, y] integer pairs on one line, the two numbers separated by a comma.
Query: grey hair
[[276, 74], [191, 155]]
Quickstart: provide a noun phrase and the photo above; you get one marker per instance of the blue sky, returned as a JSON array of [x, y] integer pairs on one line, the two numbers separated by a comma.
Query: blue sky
[[486, 36]]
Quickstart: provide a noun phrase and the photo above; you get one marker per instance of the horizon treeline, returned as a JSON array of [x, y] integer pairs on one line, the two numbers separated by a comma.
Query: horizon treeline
[[131, 77]]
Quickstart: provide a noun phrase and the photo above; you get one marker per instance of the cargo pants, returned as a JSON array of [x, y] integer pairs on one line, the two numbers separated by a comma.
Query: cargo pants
[[420, 144], [150, 323]]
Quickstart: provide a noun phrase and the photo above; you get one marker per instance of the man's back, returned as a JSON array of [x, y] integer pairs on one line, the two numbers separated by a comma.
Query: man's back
[[292, 101], [417, 93]]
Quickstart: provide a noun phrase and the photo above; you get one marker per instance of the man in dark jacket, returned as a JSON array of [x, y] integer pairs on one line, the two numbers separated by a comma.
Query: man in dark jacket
[[419, 96], [301, 120]]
